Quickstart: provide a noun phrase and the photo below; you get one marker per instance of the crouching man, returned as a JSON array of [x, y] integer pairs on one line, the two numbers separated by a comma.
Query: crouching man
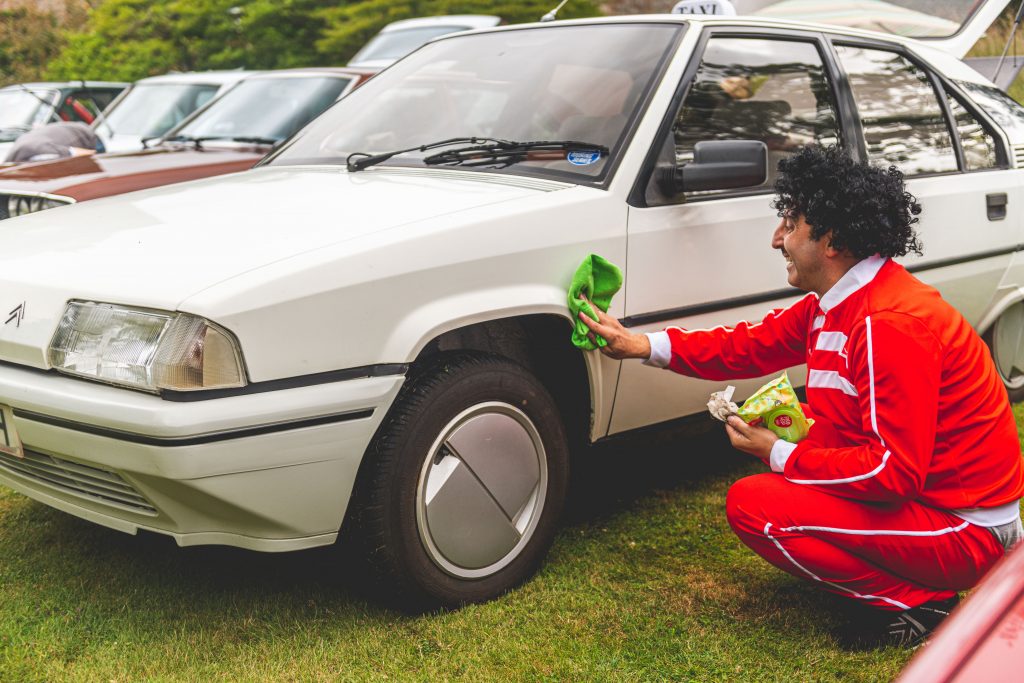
[[907, 488]]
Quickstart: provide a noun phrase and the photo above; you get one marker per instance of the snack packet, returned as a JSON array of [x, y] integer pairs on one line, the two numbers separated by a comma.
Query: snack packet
[[776, 406]]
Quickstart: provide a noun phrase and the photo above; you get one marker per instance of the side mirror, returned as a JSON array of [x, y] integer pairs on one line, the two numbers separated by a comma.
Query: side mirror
[[722, 165]]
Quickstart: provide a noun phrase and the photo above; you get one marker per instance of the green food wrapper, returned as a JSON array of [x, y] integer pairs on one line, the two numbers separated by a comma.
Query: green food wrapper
[[776, 406]]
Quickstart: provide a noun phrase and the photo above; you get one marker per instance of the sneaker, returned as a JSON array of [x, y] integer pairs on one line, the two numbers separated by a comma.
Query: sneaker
[[912, 627]]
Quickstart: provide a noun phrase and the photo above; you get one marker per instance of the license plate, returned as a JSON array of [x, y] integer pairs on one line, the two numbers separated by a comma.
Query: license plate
[[9, 441]]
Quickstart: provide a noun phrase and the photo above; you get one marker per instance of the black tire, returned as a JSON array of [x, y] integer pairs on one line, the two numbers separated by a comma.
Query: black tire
[[428, 556], [1008, 330]]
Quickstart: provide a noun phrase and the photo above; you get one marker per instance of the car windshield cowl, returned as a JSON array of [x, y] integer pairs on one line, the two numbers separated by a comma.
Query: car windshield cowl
[[487, 148]]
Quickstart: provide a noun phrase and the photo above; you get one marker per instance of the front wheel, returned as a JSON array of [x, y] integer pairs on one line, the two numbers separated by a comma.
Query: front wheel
[[1005, 339], [466, 481]]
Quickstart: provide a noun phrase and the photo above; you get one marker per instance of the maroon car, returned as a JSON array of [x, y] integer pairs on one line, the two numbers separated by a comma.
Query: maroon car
[[230, 134], [983, 640]]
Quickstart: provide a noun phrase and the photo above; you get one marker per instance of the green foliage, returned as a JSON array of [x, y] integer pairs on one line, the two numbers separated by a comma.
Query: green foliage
[[29, 38], [129, 39], [351, 24]]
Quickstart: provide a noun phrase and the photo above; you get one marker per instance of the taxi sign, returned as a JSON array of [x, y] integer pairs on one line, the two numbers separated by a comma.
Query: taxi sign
[[9, 441], [722, 8]]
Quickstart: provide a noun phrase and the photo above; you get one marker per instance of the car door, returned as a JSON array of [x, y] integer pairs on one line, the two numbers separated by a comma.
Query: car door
[[954, 163], [701, 259]]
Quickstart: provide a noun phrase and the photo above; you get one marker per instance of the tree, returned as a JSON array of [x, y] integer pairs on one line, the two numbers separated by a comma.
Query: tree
[[129, 39], [31, 36]]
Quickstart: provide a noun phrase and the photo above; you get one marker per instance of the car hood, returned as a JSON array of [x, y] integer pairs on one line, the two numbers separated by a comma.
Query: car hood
[[101, 175], [158, 247]]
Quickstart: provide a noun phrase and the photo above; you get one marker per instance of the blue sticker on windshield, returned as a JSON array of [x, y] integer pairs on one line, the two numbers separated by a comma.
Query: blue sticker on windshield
[[583, 158]]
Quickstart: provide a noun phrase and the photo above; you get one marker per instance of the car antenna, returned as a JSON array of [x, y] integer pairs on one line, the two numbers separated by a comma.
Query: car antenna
[[1010, 40], [550, 16]]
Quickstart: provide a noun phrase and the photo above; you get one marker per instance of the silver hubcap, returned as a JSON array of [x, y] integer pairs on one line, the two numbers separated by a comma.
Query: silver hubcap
[[481, 490], [1008, 346]]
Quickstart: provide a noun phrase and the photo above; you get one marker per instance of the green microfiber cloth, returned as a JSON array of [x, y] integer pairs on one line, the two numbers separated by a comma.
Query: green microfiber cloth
[[598, 279]]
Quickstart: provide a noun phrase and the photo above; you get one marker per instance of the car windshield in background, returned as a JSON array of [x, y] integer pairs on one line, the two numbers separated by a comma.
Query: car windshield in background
[[152, 109], [910, 18], [573, 83], [23, 108], [265, 108], [397, 44]]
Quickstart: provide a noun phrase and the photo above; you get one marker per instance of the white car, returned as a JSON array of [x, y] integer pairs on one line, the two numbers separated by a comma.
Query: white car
[[152, 106], [399, 38], [354, 334]]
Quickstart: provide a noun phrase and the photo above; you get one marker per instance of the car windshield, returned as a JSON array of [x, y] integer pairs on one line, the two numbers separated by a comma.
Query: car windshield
[[910, 18], [534, 84], [265, 108], [151, 109], [23, 108], [397, 44], [1007, 112]]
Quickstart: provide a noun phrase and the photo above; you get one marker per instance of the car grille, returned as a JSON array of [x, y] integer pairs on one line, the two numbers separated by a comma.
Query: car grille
[[79, 480], [27, 203], [1018, 155]]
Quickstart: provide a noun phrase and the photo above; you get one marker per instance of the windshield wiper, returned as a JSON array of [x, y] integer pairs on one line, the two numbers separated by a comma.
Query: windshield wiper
[[357, 161], [255, 139], [504, 153]]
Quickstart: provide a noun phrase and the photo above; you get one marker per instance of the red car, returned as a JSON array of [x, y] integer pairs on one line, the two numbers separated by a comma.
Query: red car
[[983, 640], [230, 134]]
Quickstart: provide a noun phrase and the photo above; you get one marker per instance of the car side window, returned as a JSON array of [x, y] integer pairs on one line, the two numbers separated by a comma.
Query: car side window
[[977, 141], [775, 91], [900, 114]]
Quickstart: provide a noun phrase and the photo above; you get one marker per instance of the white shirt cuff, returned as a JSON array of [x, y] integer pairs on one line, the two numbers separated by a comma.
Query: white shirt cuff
[[781, 450], [661, 349]]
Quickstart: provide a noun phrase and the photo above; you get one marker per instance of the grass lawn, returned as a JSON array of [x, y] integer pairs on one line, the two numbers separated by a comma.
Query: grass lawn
[[645, 582]]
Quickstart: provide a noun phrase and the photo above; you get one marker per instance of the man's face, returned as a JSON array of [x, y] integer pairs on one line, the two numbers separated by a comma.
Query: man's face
[[805, 257]]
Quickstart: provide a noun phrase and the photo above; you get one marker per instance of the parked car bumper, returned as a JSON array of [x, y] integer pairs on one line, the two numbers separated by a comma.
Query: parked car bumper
[[270, 471]]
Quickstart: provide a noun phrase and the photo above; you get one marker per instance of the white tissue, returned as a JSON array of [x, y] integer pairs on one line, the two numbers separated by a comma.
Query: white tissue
[[721, 406]]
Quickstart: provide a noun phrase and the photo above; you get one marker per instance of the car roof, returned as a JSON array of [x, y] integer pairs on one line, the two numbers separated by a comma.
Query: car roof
[[469, 20], [200, 77], [54, 85]]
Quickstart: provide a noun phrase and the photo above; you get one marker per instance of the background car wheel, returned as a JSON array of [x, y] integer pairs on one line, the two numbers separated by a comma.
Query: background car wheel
[[1006, 341], [464, 482]]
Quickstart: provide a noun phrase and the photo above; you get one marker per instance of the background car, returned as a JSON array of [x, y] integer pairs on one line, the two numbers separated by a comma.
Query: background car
[[28, 105], [399, 38], [982, 639], [370, 327], [230, 133], [152, 106]]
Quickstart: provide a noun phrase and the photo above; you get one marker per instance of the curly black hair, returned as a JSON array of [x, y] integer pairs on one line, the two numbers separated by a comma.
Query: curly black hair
[[867, 209]]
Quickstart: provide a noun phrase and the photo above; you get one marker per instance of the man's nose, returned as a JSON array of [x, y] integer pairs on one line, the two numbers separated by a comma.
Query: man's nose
[[777, 235]]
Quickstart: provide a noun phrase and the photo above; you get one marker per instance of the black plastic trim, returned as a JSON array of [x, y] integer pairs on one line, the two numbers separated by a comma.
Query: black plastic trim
[[379, 370], [213, 437], [775, 294]]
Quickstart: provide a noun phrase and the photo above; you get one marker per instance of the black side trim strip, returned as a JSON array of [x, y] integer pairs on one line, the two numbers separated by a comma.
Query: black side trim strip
[[380, 370], [980, 256], [740, 301], [192, 440], [709, 307]]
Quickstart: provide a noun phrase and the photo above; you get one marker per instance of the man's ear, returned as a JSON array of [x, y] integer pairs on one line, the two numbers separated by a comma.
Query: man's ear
[[830, 250]]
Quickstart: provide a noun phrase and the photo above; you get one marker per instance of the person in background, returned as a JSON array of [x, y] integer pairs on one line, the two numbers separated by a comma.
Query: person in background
[[907, 488], [55, 141]]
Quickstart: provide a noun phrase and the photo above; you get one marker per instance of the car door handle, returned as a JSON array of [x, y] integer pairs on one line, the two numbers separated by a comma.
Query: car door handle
[[996, 205]]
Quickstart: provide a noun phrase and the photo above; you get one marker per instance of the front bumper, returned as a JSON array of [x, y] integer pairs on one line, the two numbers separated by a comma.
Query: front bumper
[[268, 471]]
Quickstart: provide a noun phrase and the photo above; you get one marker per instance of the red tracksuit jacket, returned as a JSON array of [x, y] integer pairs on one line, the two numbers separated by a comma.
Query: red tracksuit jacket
[[907, 401]]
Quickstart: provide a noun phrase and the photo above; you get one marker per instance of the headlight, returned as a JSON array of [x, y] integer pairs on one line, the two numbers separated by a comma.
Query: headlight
[[143, 349], [19, 205]]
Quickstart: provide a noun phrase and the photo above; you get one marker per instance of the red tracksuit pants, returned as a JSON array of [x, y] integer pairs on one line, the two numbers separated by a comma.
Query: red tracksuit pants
[[890, 556]]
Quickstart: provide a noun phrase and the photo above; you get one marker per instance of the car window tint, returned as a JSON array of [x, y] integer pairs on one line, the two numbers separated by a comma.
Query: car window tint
[[775, 91], [978, 143], [902, 120]]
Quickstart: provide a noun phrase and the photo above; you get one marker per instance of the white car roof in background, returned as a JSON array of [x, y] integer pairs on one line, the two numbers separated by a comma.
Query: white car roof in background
[[200, 77], [468, 20]]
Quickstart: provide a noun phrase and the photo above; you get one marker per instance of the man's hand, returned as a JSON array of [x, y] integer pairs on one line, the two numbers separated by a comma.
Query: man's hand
[[621, 342], [753, 439]]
